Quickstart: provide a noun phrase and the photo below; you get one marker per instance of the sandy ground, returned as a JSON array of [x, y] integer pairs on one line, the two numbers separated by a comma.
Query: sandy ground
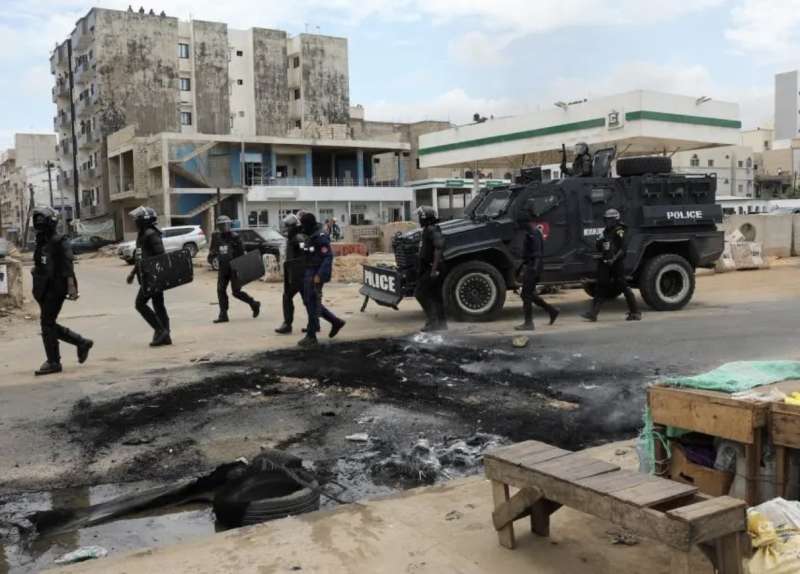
[[436, 530]]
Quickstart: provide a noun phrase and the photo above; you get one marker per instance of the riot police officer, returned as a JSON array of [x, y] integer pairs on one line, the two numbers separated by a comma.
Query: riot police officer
[[429, 271], [53, 282], [318, 258], [582, 164], [612, 245], [149, 244], [293, 271], [226, 246], [533, 265]]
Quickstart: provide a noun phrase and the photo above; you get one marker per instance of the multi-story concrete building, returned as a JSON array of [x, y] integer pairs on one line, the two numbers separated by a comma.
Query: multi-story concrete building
[[733, 166], [158, 74], [787, 106], [29, 166]]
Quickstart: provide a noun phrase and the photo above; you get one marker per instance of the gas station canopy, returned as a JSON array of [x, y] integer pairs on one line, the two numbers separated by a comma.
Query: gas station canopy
[[637, 123]]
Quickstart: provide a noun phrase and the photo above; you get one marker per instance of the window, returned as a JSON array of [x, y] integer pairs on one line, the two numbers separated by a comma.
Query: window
[[694, 161], [240, 82], [298, 124], [325, 213], [766, 144], [711, 163], [741, 163], [241, 114], [186, 118], [741, 188], [239, 53], [186, 84], [296, 62], [183, 51], [296, 93]]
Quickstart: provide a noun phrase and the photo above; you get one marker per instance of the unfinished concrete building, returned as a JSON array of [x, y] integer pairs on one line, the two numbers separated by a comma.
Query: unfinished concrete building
[[159, 74]]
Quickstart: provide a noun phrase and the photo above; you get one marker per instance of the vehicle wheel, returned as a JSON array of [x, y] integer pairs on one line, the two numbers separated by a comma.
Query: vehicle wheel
[[191, 248], [474, 291], [265, 496], [643, 165], [591, 289], [215, 263], [667, 282]]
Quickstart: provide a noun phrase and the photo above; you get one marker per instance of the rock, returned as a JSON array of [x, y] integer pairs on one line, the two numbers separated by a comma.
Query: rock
[[358, 437], [520, 342], [620, 452], [82, 554], [453, 515], [623, 537]]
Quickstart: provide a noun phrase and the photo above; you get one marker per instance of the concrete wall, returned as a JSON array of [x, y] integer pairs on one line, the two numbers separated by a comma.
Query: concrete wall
[[774, 232], [787, 104], [13, 269], [34, 149], [212, 102], [240, 69], [796, 235], [325, 79], [270, 77]]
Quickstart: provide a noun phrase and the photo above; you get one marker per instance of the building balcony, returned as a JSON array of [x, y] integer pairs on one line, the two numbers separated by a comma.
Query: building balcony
[[341, 193], [85, 107], [317, 182], [60, 90], [88, 139], [84, 72]]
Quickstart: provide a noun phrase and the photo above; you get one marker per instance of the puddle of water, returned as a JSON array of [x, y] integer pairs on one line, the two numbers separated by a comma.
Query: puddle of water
[[149, 529]]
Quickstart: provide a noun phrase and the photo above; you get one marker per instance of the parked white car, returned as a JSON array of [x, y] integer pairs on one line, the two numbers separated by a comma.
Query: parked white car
[[188, 237]]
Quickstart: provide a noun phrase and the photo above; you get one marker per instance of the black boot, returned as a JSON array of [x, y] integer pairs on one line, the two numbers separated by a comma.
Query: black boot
[[634, 316], [161, 338], [527, 325], [336, 327], [256, 307], [284, 329], [633, 306], [48, 368], [310, 340], [223, 318], [83, 350], [554, 313], [594, 311]]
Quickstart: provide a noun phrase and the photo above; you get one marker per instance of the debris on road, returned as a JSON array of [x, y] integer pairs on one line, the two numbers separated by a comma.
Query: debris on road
[[358, 437], [520, 342], [82, 554]]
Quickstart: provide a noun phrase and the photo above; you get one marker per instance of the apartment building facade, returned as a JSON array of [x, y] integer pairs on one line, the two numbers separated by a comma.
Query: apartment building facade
[[24, 169], [733, 166], [162, 75]]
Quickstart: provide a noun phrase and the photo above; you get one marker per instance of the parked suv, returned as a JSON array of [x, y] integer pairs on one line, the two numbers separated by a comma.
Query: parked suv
[[671, 220], [188, 237], [266, 239]]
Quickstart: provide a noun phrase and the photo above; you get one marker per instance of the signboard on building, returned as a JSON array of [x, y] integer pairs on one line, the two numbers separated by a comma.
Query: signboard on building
[[492, 183], [454, 183]]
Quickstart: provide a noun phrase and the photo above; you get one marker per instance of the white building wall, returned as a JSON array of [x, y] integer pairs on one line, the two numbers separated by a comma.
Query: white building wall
[[186, 70], [732, 166], [242, 97], [787, 105]]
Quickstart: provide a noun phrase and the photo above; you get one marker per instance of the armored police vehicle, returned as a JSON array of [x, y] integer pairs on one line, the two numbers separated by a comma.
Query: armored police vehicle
[[671, 220]]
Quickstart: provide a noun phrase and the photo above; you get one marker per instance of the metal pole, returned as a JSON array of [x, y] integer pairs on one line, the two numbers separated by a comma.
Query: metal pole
[[75, 185], [50, 184], [219, 203], [63, 210]]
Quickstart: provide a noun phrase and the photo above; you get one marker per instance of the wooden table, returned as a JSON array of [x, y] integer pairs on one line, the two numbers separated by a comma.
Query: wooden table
[[784, 430], [720, 415]]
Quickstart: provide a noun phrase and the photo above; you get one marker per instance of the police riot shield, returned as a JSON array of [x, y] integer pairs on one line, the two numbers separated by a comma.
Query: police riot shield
[[166, 271], [247, 268]]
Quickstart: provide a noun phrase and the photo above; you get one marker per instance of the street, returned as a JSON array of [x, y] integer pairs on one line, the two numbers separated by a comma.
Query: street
[[133, 414]]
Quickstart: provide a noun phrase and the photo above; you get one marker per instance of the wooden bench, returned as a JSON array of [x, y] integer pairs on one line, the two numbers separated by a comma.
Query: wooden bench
[[669, 512]]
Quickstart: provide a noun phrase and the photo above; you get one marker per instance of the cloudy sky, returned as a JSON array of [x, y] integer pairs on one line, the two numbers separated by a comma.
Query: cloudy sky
[[446, 59]]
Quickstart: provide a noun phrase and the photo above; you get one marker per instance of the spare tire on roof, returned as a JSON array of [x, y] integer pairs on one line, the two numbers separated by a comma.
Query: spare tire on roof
[[643, 165]]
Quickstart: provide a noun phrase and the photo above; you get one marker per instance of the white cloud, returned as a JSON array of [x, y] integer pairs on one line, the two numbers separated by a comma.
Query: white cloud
[[768, 29], [477, 49]]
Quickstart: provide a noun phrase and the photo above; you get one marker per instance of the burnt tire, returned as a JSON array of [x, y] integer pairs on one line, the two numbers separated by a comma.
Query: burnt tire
[[591, 287], [474, 291], [667, 282], [265, 496], [643, 165]]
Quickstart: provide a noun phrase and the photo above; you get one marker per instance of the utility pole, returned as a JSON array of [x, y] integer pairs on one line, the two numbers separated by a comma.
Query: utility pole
[[50, 184], [77, 215], [31, 205]]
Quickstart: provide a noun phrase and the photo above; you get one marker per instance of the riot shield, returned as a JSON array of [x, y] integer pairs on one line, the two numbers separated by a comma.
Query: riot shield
[[166, 271], [247, 268]]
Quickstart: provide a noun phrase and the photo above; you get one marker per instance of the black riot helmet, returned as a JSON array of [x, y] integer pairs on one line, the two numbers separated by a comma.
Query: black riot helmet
[[45, 219], [308, 222], [427, 215], [291, 224], [581, 148], [144, 216], [224, 224], [611, 217]]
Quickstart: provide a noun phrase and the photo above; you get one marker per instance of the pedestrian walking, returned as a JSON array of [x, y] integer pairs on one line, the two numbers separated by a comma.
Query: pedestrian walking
[[293, 271], [533, 265], [226, 245]]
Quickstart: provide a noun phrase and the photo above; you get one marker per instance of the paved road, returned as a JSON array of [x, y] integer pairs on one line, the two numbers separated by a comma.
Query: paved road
[[734, 317]]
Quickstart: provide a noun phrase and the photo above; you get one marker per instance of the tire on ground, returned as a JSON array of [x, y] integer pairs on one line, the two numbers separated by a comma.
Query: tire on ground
[[474, 291], [265, 496], [590, 287], [667, 282], [191, 248], [643, 165]]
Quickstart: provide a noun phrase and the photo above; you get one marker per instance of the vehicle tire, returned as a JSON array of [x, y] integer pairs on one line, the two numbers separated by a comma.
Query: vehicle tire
[[643, 165], [191, 248], [474, 291], [265, 496], [215, 263], [591, 289], [667, 282]]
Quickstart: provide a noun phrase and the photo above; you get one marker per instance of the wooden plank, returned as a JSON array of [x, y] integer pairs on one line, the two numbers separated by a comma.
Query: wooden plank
[[519, 449], [530, 460], [500, 495], [516, 507], [573, 467], [654, 492], [781, 454], [709, 414], [729, 555], [643, 521], [785, 425], [540, 516], [752, 459], [712, 518], [613, 481]]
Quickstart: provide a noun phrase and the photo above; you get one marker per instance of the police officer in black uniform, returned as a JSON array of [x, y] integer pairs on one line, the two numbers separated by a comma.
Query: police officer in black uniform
[[53, 282], [582, 164], [429, 271], [149, 244], [318, 258], [533, 265], [226, 246], [293, 271], [613, 245]]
